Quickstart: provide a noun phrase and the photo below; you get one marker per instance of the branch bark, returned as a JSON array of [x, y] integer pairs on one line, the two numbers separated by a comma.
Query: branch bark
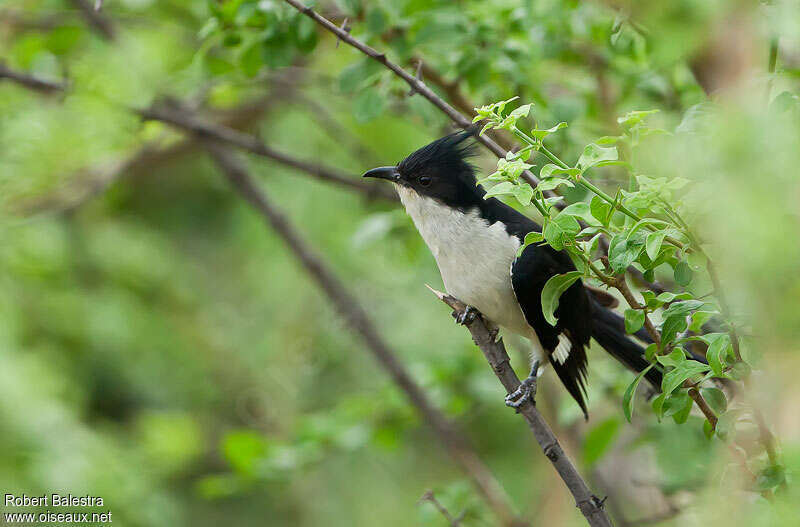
[[31, 82], [496, 356], [97, 20], [356, 317], [250, 143]]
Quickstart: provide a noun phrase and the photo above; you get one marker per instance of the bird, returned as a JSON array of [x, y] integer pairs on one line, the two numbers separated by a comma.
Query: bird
[[475, 241]]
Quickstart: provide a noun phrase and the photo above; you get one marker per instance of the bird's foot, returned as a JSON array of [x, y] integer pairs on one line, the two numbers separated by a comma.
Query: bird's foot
[[465, 317], [526, 390]]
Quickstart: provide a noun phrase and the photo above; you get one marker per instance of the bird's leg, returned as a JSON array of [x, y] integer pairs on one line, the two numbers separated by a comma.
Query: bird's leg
[[465, 317], [526, 390]]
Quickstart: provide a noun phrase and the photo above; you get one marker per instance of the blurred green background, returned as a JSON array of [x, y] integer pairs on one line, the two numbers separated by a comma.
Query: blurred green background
[[160, 347]]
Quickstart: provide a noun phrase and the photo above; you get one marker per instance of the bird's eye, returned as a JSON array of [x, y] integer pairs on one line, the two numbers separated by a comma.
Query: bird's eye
[[424, 181]]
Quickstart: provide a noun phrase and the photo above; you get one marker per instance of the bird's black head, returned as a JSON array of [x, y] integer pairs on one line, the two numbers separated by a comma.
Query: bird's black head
[[440, 170]]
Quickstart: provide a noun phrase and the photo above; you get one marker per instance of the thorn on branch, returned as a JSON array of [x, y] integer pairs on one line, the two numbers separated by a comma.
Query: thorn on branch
[[430, 497], [344, 27], [418, 76]]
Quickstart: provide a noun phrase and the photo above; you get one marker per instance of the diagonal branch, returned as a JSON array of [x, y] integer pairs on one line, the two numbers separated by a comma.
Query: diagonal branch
[[91, 181], [496, 356], [251, 143], [356, 317], [31, 82], [414, 83]]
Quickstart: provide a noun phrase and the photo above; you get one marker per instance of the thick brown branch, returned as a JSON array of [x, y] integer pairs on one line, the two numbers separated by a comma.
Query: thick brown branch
[[356, 317], [496, 356], [31, 82], [250, 143]]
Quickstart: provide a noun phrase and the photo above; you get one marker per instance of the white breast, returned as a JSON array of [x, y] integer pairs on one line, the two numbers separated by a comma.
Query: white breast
[[473, 256]]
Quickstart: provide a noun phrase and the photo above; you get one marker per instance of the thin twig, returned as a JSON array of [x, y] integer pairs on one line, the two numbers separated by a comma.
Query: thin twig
[[416, 84], [350, 309], [250, 143], [619, 283], [453, 521], [31, 82], [495, 352], [89, 182], [96, 19]]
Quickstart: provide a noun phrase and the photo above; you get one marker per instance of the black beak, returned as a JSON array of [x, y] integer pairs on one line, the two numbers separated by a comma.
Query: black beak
[[388, 173]]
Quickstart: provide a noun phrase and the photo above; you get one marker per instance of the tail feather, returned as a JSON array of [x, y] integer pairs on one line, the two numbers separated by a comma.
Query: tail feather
[[572, 373], [608, 329]]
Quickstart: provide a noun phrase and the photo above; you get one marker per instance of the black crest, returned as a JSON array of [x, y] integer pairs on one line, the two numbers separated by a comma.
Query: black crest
[[448, 155]]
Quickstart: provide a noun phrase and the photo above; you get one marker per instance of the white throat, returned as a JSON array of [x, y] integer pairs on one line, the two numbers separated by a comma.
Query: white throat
[[474, 257]]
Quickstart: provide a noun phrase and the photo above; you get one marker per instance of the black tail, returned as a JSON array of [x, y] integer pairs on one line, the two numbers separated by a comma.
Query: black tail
[[608, 329]]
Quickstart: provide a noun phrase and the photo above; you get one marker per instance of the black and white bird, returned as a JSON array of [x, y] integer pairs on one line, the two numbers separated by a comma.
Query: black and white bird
[[475, 242]]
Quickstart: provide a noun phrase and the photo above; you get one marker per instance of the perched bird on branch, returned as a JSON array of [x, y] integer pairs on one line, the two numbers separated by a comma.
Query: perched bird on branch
[[475, 242]]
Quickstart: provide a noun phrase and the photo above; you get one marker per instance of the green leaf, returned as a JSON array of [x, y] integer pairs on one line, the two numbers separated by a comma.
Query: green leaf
[[719, 345], [715, 399], [683, 308], [667, 297], [553, 290], [600, 209], [501, 189], [511, 121], [634, 117], [683, 371], [243, 449], [305, 34], [682, 414], [740, 371], [676, 402], [630, 392], [368, 105], [560, 229], [594, 154], [675, 357], [553, 182], [609, 140], [523, 192], [683, 273], [708, 430], [771, 477], [726, 424], [580, 210], [699, 318], [358, 74], [650, 351], [671, 327], [541, 134], [251, 60], [599, 439], [653, 243], [658, 406], [530, 238], [623, 251], [550, 170], [634, 320]]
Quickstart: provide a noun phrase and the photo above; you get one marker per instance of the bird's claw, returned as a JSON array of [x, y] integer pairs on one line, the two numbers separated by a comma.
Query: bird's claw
[[466, 316], [526, 391]]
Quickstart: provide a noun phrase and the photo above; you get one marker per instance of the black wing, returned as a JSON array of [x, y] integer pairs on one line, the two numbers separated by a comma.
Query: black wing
[[529, 273]]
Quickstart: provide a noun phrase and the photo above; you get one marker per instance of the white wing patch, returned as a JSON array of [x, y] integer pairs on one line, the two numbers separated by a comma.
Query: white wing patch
[[561, 353]]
